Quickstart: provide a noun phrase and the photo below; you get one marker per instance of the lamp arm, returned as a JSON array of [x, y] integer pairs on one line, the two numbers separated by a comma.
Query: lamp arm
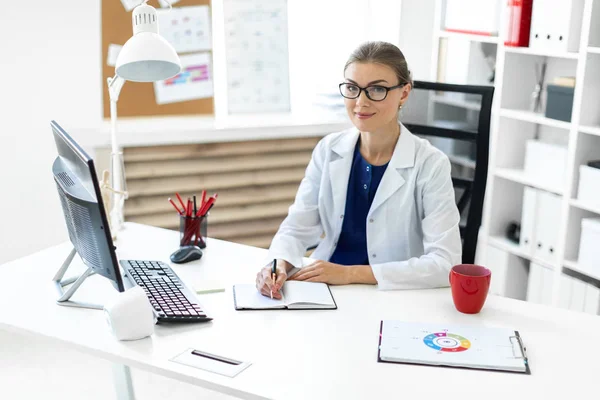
[[115, 84]]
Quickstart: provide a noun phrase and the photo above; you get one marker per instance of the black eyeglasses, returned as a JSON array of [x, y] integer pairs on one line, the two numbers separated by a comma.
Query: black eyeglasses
[[375, 92]]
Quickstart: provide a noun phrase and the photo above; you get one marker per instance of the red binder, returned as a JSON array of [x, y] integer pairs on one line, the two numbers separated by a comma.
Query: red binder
[[518, 21]]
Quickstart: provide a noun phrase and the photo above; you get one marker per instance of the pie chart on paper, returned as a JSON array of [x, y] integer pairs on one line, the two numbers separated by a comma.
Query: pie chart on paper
[[446, 341]]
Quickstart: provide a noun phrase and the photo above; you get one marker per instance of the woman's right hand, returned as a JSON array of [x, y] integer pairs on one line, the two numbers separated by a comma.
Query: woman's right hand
[[264, 283]]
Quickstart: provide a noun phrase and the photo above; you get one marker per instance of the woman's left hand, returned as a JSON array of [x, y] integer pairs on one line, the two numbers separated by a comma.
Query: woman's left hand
[[323, 271]]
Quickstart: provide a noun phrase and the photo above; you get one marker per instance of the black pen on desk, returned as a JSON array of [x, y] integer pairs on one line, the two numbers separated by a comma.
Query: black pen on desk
[[273, 275]]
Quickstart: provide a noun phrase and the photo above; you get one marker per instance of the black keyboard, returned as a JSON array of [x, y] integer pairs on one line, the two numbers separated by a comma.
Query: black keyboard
[[171, 299]]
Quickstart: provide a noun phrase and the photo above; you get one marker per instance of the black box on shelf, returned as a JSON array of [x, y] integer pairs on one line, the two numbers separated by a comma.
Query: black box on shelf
[[560, 102], [594, 164]]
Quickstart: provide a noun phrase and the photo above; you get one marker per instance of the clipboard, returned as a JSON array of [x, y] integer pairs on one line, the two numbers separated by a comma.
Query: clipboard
[[519, 352]]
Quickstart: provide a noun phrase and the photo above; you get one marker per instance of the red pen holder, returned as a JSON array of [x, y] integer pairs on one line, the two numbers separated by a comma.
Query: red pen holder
[[193, 231]]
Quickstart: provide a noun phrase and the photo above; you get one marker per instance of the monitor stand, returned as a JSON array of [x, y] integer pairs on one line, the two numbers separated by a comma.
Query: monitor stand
[[76, 281]]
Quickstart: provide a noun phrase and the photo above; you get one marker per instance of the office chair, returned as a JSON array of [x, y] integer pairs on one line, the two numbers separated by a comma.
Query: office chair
[[456, 119]]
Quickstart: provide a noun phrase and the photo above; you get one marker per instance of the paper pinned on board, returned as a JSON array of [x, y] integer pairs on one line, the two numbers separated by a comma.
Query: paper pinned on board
[[256, 45], [164, 3], [131, 4], [186, 28], [113, 53], [195, 81]]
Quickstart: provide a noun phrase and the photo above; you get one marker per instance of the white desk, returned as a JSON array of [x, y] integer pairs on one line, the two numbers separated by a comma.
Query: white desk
[[325, 354]]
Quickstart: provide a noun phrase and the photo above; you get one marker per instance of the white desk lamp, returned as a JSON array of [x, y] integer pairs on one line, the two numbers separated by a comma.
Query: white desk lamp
[[146, 57]]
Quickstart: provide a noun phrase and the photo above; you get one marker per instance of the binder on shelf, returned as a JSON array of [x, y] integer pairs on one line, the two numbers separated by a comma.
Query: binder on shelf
[[556, 25], [526, 240], [476, 17], [546, 221], [517, 22], [509, 271], [566, 291], [592, 299], [535, 283], [589, 251], [547, 284], [578, 296]]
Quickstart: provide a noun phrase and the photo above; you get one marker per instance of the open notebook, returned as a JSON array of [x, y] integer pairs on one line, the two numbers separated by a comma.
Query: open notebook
[[462, 346], [296, 295]]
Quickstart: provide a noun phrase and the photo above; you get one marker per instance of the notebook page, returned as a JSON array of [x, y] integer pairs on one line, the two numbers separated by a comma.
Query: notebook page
[[248, 297], [308, 295], [450, 345]]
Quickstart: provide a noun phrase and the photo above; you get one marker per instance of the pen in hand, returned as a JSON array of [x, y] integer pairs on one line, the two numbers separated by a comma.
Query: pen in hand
[[273, 275]]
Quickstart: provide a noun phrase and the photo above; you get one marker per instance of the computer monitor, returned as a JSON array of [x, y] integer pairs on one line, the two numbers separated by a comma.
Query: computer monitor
[[85, 216]]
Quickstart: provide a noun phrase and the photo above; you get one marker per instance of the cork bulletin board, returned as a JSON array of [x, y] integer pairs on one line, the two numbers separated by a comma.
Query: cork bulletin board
[[138, 99]]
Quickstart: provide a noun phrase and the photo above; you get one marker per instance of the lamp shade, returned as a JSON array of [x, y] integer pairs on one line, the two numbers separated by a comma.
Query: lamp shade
[[147, 56]]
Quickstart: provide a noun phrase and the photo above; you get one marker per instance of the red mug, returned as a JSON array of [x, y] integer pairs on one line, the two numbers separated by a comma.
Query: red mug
[[470, 284]]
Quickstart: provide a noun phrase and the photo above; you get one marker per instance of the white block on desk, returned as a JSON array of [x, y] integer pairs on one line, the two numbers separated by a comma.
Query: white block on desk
[[509, 273], [566, 291], [589, 246], [578, 297], [528, 213], [588, 190], [547, 219], [546, 163], [592, 300]]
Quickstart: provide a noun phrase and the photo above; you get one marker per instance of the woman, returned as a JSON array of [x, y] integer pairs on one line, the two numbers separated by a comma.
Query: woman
[[377, 199]]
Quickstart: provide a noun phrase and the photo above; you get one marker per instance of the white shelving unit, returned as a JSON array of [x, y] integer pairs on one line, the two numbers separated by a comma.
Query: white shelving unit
[[458, 58], [465, 36], [519, 176], [513, 124], [536, 118], [538, 52], [590, 130], [582, 206]]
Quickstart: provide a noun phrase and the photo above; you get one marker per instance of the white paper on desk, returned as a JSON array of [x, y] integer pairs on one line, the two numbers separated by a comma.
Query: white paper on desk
[[186, 28], [193, 82], [211, 365], [256, 45], [451, 345], [113, 53], [164, 3], [131, 4]]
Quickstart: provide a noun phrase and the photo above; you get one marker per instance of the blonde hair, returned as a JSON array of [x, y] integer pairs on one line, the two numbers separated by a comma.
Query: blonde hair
[[383, 53]]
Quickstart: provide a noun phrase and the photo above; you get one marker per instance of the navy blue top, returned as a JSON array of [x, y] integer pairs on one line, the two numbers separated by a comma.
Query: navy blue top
[[364, 179]]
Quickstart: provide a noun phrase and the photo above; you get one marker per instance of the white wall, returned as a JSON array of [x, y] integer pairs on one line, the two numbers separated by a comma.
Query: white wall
[[416, 36], [50, 68]]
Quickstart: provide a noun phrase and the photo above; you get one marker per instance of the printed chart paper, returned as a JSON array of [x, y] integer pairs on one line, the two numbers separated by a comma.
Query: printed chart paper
[[113, 53], [193, 82], [256, 36], [186, 28]]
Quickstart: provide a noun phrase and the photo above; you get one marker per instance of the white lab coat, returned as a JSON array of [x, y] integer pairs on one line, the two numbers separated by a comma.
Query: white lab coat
[[413, 236]]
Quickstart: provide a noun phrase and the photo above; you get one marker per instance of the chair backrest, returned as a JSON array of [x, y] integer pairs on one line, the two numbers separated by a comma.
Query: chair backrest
[[456, 119]]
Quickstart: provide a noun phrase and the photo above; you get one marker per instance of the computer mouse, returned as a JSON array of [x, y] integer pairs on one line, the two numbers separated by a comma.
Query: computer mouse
[[186, 253]]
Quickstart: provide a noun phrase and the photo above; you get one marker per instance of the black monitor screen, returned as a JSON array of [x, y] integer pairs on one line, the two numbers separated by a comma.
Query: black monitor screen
[[79, 192]]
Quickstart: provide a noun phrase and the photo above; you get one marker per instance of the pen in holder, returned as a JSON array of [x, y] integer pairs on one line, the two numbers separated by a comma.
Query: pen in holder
[[193, 226], [193, 231]]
